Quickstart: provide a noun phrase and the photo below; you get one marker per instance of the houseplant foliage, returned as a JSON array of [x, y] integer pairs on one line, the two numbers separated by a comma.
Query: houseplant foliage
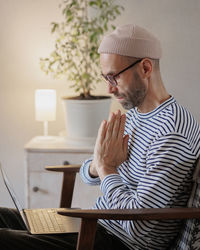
[[77, 37]]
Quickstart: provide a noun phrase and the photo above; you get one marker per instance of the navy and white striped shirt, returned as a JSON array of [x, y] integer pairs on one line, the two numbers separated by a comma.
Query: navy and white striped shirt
[[163, 147]]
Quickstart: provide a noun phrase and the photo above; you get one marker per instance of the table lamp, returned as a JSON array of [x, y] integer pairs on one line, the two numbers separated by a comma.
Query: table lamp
[[45, 108]]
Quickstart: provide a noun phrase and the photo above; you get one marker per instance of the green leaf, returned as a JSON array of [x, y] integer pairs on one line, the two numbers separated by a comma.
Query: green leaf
[[55, 26], [69, 19], [92, 3]]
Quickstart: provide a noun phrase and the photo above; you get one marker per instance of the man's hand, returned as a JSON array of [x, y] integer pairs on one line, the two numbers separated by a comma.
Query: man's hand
[[111, 146]]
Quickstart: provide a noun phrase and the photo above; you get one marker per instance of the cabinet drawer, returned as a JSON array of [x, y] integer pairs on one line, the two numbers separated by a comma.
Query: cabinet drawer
[[44, 190]]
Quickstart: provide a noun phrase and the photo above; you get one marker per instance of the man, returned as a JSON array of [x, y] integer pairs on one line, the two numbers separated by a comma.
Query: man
[[143, 159], [148, 160]]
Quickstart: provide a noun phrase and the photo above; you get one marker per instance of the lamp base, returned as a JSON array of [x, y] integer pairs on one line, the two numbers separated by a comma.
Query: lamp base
[[45, 138]]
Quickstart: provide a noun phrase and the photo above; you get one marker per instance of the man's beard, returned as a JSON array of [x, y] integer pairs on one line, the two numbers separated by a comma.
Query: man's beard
[[134, 99], [135, 95]]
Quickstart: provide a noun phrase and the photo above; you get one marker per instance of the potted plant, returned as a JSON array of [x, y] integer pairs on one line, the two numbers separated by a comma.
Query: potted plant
[[75, 56]]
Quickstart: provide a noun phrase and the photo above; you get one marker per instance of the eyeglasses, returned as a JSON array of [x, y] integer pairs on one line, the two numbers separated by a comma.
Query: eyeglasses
[[112, 78]]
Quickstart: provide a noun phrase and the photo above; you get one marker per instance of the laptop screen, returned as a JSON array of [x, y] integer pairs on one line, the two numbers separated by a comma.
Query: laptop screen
[[12, 194]]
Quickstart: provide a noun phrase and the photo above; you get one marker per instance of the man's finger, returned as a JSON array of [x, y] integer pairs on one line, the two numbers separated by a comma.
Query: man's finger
[[122, 126], [125, 144], [116, 125], [102, 131], [110, 125]]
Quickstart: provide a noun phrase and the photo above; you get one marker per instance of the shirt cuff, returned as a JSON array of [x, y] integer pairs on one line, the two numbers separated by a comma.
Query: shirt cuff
[[86, 176]]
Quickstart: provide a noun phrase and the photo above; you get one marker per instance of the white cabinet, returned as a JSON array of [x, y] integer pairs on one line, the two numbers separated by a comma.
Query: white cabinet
[[43, 188]]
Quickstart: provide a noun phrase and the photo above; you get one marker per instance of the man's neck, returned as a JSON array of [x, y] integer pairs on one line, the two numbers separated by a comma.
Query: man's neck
[[156, 95]]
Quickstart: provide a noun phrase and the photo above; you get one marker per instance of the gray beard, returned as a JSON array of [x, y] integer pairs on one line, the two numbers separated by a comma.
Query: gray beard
[[134, 99]]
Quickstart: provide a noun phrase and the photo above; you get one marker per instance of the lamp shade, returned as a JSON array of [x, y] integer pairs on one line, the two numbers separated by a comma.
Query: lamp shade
[[45, 104]]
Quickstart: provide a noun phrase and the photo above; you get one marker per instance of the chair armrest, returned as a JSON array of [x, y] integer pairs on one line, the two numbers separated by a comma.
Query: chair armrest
[[64, 168], [134, 214], [89, 219]]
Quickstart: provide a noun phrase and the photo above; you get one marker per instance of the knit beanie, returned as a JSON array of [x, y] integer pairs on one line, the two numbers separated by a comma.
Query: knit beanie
[[131, 40]]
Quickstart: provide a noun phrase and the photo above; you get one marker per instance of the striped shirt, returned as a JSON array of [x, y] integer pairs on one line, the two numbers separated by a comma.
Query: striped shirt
[[163, 147]]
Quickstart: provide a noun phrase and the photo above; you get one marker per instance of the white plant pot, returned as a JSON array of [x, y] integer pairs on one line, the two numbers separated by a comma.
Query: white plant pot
[[83, 118]]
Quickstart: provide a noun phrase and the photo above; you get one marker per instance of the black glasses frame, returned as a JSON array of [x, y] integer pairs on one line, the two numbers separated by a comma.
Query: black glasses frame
[[111, 78]]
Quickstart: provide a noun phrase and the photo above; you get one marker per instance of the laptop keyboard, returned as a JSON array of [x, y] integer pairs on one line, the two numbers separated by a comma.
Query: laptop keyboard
[[45, 221]]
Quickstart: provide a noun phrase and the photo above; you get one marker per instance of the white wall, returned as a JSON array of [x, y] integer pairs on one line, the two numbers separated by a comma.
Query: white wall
[[25, 37]]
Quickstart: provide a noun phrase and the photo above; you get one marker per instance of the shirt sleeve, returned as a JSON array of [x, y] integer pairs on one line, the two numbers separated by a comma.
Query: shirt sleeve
[[84, 172]]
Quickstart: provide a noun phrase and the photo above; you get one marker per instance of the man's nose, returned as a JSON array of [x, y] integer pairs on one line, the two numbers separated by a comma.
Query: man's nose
[[112, 89]]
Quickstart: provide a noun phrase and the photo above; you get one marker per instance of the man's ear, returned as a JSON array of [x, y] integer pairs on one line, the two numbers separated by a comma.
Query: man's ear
[[146, 68]]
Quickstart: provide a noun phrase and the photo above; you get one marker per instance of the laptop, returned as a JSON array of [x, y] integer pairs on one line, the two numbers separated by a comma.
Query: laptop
[[44, 220]]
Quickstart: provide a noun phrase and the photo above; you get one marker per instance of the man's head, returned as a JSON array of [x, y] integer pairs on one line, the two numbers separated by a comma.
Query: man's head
[[129, 57]]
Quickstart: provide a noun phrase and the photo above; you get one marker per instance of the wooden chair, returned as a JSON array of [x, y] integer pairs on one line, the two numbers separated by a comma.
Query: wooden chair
[[69, 176], [89, 217]]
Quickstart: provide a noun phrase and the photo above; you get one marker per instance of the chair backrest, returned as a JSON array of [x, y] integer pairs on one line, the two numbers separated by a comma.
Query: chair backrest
[[189, 237]]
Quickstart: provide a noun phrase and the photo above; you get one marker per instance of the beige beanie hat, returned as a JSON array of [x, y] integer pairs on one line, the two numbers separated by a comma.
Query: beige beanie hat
[[131, 40]]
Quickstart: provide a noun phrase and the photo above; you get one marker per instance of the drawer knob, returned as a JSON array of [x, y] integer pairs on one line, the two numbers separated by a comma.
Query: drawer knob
[[35, 189], [66, 163]]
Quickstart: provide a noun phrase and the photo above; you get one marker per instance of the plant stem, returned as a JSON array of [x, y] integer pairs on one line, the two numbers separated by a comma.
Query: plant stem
[[86, 45]]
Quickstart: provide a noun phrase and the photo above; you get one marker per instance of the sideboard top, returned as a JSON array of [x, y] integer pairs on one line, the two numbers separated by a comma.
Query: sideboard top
[[55, 144]]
